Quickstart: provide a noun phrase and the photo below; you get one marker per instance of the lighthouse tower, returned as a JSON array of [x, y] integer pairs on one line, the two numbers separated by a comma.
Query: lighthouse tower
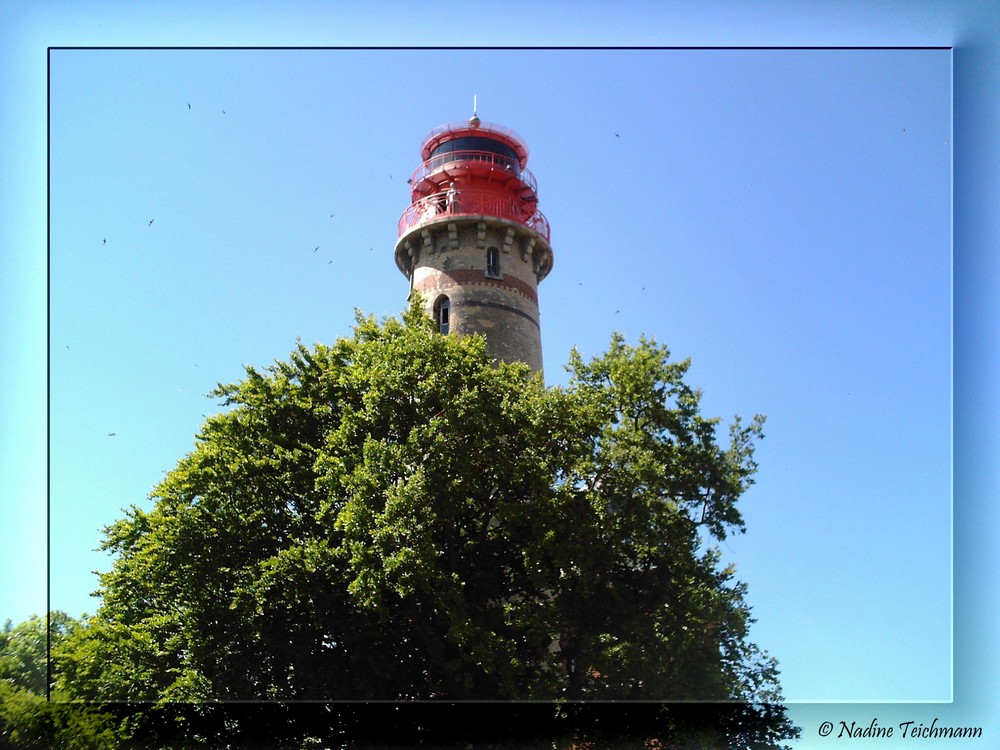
[[473, 242]]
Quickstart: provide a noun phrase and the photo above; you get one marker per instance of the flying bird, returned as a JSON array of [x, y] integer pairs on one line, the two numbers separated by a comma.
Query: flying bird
[[317, 248], [189, 105], [150, 222], [104, 241], [617, 136], [112, 434]]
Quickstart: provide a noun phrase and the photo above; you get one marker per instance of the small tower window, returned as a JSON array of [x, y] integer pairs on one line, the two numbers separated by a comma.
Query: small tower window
[[493, 262], [442, 313]]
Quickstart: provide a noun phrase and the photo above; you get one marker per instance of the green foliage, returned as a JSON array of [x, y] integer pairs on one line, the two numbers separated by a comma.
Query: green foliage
[[24, 649], [396, 516], [28, 719]]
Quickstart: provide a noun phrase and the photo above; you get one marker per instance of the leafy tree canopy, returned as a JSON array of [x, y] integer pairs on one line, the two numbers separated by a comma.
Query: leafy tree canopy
[[397, 516], [28, 719], [24, 649]]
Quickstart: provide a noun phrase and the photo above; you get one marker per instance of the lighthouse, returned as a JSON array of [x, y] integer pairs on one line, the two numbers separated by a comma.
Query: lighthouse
[[473, 242]]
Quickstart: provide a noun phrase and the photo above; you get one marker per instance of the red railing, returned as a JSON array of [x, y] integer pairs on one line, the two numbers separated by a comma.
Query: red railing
[[473, 202], [497, 161]]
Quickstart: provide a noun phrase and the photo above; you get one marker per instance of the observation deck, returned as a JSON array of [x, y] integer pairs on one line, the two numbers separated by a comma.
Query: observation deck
[[474, 204]]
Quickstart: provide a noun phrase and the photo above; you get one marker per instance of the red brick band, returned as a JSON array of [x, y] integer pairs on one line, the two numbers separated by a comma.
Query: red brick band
[[462, 276]]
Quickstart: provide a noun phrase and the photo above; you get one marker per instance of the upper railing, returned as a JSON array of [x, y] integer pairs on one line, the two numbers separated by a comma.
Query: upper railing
[[498, 161], [474, 202]]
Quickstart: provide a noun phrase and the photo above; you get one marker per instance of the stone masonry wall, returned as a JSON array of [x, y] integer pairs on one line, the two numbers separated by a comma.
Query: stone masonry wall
[[451, 259]]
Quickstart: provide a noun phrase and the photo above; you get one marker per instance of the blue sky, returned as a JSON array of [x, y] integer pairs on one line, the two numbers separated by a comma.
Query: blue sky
[[782, 217]]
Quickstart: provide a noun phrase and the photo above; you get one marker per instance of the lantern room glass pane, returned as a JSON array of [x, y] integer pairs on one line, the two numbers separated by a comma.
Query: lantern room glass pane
[[508, 157]]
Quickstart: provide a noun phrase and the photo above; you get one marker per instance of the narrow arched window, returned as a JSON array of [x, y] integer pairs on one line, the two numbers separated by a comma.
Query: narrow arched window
[[493, 262], [442, 313]]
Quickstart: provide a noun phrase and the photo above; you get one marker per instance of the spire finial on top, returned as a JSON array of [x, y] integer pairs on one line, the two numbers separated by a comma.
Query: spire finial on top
[[474, 120]]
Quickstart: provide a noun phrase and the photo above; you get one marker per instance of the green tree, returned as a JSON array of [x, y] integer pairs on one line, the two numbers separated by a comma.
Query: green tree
[[28, 719], [398, 517]]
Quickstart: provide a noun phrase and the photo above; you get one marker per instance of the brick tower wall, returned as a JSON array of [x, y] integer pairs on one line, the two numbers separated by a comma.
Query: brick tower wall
[[450, 258]]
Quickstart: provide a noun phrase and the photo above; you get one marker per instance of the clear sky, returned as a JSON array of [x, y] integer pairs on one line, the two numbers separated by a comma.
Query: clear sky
[[782, 217]]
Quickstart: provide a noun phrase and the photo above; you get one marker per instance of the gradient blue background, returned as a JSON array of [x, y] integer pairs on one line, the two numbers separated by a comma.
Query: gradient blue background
[[969, 27]]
